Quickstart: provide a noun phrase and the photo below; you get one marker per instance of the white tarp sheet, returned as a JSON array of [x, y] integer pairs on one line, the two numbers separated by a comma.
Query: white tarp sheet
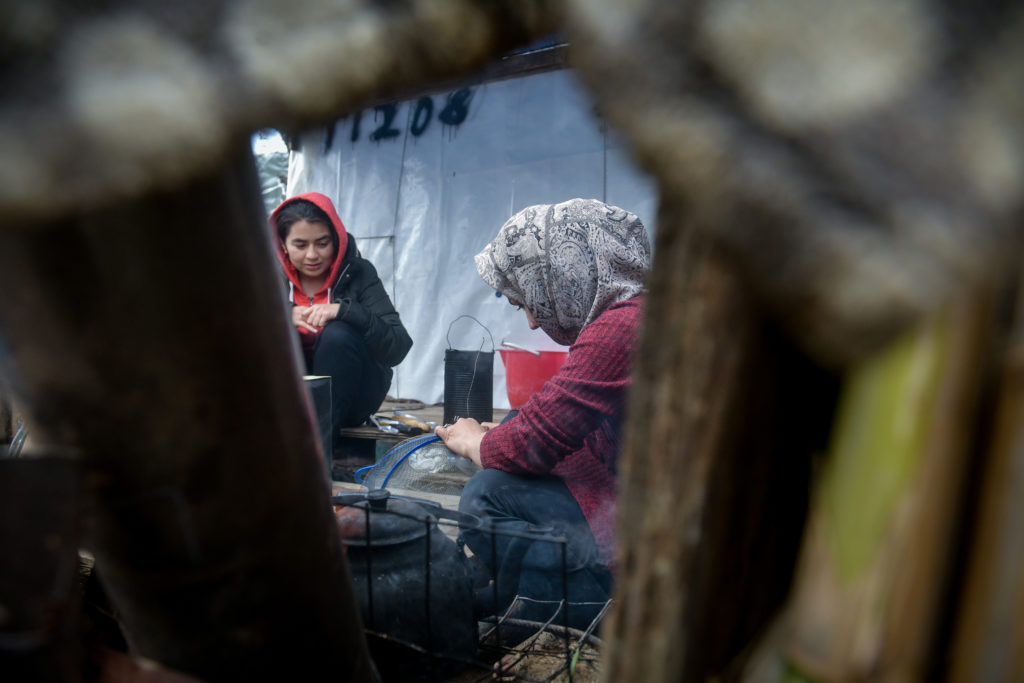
[[422, 197]]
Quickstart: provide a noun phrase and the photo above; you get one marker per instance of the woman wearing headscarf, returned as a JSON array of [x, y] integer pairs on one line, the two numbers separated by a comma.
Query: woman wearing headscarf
[[348, 327], [577, 269]]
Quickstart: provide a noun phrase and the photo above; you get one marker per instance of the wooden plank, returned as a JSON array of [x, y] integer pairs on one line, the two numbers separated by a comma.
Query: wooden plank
[[426, 413], [448, 502]]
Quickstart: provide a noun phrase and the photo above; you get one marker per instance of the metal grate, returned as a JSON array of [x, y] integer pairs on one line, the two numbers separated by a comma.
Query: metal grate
[[548, 652], [511, 647]]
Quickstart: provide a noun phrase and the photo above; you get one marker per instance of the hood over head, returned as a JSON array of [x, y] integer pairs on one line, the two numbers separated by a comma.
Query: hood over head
[[323, 203], [568, 262]]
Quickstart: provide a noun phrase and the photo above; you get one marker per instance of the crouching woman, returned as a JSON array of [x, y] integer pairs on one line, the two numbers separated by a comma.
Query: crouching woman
[[348, 327], [577, 270]]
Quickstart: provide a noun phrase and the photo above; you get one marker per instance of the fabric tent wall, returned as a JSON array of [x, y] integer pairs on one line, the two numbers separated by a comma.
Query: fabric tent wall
[[424, 184]]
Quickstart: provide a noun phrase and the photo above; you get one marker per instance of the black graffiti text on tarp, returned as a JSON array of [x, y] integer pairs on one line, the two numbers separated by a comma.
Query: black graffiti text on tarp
[[386, 129], [457, 108], [357, 118], [421, 116], [454, 113]]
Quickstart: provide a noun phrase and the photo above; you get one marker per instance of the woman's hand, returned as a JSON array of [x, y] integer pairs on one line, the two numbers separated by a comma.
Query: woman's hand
[[314, 317], [463, 438], [299, 316]]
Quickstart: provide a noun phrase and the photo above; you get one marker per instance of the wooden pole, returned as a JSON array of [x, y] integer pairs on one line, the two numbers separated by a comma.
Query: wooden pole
[[151, 337], [988, 633], [40, 632], [724, 416]]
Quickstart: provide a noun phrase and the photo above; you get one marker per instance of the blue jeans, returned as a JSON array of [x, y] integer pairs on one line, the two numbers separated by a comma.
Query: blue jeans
[[534, 568], [358, 382]]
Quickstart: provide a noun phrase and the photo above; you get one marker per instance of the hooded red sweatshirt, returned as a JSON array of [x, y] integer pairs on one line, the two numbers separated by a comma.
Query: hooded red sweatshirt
[[325, 293]]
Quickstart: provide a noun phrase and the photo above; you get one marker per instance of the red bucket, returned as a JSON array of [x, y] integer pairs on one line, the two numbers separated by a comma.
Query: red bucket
[[526, 372]]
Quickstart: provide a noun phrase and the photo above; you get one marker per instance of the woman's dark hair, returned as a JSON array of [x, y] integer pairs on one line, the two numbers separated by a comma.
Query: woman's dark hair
[[303, 210]]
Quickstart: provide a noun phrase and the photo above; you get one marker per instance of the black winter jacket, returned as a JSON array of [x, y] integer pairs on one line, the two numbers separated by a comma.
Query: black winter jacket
[[366, 306]]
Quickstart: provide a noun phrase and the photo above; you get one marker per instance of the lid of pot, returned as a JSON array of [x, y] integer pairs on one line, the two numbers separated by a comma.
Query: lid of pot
[[392, 521]]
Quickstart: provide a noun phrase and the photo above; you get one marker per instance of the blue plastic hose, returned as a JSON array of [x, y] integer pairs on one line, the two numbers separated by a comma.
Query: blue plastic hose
[[423, 441]]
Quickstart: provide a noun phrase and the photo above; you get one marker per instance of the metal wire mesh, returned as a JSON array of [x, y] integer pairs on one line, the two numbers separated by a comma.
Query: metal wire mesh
[[506, 645], [540, 651]]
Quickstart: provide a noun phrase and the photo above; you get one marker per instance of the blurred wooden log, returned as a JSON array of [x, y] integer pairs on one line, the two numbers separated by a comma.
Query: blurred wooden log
[[988, 632], [685, 385], [151, 337], [859, 179], [106, 104], [873, 585], [724, 416], [39, 536]]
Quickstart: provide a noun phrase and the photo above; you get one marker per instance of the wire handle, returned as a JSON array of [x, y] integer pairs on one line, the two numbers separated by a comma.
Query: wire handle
[[448, 336]]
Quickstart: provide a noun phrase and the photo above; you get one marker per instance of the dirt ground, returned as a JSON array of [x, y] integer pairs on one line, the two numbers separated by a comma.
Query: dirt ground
[[541, 659]]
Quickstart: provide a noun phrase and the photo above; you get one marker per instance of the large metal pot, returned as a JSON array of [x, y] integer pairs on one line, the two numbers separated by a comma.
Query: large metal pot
[[414, 584]]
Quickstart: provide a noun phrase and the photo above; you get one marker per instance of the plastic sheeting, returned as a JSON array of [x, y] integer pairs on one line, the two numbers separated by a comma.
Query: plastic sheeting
[[424, 184], [271, 156]]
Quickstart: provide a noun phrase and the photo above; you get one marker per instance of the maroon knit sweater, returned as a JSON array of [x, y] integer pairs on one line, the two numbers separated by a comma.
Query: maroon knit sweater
[[570, 428]]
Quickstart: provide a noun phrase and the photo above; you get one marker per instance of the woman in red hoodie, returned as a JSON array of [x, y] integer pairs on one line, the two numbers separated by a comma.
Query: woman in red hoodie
[[348, 326]]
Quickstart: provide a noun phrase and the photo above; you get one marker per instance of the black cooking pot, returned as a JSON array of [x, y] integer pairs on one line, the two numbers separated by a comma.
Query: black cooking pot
[[414, 584]]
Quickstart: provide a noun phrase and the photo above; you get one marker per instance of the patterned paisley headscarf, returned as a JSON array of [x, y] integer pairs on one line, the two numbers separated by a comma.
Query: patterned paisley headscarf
[[568, 262]]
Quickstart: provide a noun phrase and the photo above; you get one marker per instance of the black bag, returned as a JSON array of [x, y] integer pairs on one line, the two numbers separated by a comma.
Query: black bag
[[468, 380]]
